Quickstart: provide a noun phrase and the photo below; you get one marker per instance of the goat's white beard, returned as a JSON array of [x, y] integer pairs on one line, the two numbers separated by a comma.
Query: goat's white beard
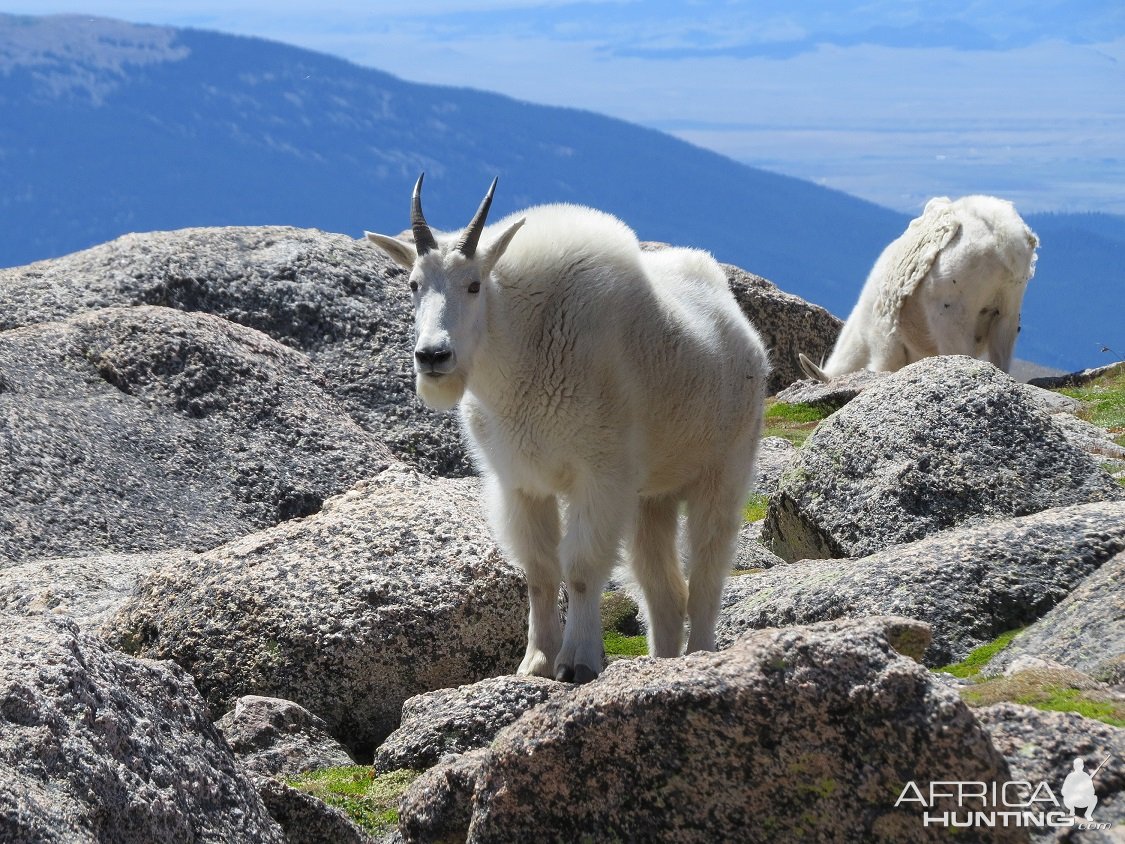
[[442, 393]]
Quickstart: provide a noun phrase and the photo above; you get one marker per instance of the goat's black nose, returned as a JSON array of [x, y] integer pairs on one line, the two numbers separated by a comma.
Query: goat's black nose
[[433, 356]]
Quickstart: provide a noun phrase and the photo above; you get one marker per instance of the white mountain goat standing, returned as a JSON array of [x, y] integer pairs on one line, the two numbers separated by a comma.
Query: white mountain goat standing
[[622, 382], [951, 284]]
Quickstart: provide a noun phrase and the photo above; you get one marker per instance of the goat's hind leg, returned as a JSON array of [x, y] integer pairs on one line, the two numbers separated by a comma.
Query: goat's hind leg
[[714, 517], [656, 565], [529, 528]]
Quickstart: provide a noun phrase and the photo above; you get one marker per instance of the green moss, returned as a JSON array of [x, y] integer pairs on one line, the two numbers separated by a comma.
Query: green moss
[[1075, 700], [1050, 689], [978, 658], [823, 787], [368, 799], [618, 645], [756, 507]]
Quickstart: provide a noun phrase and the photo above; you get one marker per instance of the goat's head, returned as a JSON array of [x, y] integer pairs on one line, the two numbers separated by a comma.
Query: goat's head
[[450, 280]]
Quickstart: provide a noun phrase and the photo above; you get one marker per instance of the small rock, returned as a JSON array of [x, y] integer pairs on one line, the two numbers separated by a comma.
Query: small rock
[[454, 721], [271, 736]]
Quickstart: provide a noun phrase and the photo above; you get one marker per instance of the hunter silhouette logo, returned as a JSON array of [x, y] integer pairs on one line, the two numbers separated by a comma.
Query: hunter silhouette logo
[[1078, 789], [1018, 803]]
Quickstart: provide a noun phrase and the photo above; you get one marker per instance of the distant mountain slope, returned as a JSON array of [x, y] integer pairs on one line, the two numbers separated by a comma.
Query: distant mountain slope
[[107, 127]]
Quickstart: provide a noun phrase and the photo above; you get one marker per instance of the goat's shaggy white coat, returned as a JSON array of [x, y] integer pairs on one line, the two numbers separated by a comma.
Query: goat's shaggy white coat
[[951, 284], [618, 381]]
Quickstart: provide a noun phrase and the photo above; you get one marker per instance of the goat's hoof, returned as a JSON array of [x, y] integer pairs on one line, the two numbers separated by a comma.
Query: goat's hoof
[[575, 674], [584, 673]]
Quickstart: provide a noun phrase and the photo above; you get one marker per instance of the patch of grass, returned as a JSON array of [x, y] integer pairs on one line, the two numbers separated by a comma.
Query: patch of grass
[[368, 799], [978, 658], [1104, 401], [618, 645], [800, 412], [794, 422], [1053, 690], [755, 509]]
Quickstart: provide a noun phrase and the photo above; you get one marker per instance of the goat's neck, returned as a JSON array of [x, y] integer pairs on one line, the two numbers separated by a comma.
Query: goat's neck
[[499, 372]]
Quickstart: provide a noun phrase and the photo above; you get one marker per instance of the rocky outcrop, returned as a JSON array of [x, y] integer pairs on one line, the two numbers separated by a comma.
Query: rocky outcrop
[[970, 584], [1041, 748], [788, 734], [454, 721], [1085, 631], [98, 746], [943, 442], [393, 589], [133, 429], [271, 736], [340, 301], [788, 324]]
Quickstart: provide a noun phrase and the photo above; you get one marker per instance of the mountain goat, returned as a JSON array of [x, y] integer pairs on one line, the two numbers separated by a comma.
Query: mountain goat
[[618, 381], [951, 284]]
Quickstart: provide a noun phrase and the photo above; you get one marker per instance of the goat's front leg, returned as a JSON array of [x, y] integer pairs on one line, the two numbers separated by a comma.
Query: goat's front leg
[[529, 529], [595, 523]]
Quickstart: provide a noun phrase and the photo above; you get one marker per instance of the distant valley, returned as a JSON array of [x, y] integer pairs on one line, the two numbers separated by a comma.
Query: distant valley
[[106, 128]]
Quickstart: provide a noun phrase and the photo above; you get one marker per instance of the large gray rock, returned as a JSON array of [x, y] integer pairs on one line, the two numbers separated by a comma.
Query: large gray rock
[[271, 736], [132, 429], [970, 584], [943, 442], [788, 324], [96, 746], [393, 589], [791, 735], [455, 721], [1041, 748], [341, 301], [1086, 630]]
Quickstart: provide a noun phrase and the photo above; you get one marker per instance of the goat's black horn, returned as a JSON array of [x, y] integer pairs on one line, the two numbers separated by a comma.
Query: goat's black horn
[[467, 246], [423, 237]]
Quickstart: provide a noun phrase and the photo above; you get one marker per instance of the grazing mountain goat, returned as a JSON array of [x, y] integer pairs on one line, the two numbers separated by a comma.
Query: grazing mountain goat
[[622, 382], [951, 284]]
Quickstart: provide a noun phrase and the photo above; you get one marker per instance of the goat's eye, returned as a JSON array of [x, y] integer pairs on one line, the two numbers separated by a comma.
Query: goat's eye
[[474, 287], [413, 286]]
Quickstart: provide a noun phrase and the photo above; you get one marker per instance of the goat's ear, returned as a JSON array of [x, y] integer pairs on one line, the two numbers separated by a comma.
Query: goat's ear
[[404, 254], [497, 248]]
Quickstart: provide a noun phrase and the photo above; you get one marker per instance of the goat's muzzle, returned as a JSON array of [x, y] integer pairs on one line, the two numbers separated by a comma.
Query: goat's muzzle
[[434, 360]]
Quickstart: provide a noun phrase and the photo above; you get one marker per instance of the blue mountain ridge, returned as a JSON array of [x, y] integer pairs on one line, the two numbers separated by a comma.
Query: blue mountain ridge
[[195, 128]]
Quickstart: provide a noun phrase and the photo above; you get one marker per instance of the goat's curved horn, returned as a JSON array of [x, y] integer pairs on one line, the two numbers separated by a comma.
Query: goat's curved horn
[[467, 246], [423, 237]]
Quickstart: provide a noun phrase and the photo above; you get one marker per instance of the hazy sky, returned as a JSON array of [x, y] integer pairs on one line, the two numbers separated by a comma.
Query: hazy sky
[[889, 99]]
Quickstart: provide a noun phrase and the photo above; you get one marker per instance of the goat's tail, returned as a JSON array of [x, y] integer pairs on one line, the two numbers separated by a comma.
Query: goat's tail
[[812, 370]]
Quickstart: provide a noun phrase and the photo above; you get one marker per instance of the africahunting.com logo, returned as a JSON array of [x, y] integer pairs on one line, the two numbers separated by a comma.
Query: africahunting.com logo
[[1017, 803]]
